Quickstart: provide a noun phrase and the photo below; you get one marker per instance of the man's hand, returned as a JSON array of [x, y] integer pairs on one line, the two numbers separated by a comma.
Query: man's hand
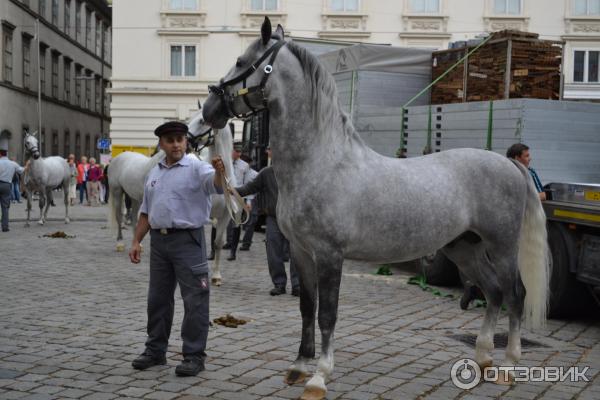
[[135, 252], [248, 207], [217, 163]]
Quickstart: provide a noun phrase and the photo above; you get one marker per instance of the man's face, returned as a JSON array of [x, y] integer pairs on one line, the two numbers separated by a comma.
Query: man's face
[[174, 145], [524, 158], [83, 160], [235, 154]]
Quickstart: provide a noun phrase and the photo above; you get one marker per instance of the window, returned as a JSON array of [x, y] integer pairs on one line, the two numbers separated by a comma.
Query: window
[[26, 62], [585, 65], [67, 27], [87, 149], [507, 7], [98, 37], [78, 21], [67, 144], [88, 93], [42, 8], [54, 151], [43, 70], [97, 93], [183, 60], [55, 12], [107, 43], [425, 6], [586, 7], [54, 77], [183, 4], [67, 97], [106, 98], [78, 70], [7, 65], [270, 5], [344, 5], [88, 28], [78, 145]]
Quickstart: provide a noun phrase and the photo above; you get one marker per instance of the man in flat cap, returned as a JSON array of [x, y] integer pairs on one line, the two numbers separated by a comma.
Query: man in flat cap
[[175, 208]]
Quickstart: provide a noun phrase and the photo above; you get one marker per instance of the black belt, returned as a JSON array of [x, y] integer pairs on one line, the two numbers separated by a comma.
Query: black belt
[[8, 183], [169, 231]]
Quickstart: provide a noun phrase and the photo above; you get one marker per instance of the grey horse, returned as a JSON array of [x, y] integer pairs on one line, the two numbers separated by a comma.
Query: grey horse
[[339, 199], [42, 176]]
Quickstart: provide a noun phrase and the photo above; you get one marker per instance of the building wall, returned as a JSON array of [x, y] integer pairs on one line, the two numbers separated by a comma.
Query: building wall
[[63, 117], [144, 93]]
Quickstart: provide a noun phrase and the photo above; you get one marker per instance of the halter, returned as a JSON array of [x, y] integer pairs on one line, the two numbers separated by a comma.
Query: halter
[[245, 92], [204, 139]]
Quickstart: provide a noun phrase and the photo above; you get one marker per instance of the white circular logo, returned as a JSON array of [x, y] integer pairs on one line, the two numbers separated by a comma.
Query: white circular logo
[[465, 374]]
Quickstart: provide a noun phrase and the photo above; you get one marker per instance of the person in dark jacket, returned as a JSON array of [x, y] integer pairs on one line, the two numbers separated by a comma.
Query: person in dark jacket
[[265, 185]]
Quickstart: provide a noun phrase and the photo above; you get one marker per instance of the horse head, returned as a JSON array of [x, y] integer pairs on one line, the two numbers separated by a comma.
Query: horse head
[[31, 145], [200, 134], [245, 89]]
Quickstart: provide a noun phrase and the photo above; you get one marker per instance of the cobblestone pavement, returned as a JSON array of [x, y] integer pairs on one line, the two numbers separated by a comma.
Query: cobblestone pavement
[[72, 318]]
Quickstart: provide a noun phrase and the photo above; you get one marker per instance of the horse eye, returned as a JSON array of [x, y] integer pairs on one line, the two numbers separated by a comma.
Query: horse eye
[[239, 63]]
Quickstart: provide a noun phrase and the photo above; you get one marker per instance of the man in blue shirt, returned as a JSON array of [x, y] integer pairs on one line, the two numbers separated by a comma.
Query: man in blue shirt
[[520, 152], [8, 169], [175, 207]]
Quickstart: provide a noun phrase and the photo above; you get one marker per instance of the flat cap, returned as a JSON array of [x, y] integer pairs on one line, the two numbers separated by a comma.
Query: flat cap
[[238, 146], [173, 127]]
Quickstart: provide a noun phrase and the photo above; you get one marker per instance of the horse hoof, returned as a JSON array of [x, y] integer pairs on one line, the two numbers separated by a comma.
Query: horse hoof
[[293, 377], [67, 220], [483, 364], [40, 222], [120, 247], [313, 393], [216, 281]]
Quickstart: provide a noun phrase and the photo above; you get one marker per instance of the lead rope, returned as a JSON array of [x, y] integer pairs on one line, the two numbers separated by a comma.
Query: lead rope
[[234, 202]]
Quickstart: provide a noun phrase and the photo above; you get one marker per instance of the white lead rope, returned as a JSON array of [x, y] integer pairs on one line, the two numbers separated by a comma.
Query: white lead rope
[[234, 202]]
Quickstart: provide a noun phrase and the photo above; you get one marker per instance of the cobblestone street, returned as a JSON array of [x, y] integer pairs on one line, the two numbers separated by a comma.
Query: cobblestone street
[[73, 316]]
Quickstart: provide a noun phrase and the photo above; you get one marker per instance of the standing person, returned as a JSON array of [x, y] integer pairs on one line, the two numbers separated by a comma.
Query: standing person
[[105, 183], [175, 207], [520, 152], [265, 185], [73, 180], [93, 183], [241, 170], [8, 168], [15, 194], [82, 170]]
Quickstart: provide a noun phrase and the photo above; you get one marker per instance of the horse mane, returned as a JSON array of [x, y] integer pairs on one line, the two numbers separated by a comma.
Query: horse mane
[[326, 109]]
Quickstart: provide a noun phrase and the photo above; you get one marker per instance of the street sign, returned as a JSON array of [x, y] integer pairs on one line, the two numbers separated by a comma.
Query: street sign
[[103, 144]]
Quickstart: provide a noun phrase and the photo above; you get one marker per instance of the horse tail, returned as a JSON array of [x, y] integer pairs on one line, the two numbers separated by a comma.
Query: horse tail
[[534, 256]]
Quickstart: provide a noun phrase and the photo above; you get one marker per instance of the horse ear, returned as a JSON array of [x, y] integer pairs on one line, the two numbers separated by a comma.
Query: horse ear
[[279, 31], [199, 105], [265, 31]]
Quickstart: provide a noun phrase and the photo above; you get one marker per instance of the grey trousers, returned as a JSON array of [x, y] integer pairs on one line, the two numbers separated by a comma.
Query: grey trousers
[[178, 257], [276, 243], [4, 202]]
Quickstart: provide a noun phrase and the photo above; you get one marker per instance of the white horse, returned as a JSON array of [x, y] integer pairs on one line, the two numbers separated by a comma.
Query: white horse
[[126, 175], [219, 143], [43, 175]]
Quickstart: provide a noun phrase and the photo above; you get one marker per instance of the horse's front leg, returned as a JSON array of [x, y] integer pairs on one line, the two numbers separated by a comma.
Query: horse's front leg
[[65, 189], [221, 227], [329, 271], [29, 194], [305, 266], [43, 202]]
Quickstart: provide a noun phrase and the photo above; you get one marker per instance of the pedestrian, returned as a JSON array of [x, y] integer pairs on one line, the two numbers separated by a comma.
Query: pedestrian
[[241, 171], [104, 183], [15, 193], [265, 185], [520, 152], [175, 207], [82, 170], [94, 175], [8, 169], [73, 181]]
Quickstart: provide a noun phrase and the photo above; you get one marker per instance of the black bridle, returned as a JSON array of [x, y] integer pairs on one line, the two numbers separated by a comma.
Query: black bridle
[[199, 142], [245, 92]]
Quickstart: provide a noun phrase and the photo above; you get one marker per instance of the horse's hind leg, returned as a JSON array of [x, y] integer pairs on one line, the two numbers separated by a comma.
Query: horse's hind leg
[[65, 188], [43, 202], [514, 298], [29, 206], [222, 222], [470, 255], [329, 271], [305, 266]]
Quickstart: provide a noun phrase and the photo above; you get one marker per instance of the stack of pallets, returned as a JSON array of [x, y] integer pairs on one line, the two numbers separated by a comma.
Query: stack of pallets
[[512, 64]]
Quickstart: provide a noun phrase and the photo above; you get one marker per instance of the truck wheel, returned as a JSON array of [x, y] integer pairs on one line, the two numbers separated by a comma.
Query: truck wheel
[[439, 270], [565, 290]]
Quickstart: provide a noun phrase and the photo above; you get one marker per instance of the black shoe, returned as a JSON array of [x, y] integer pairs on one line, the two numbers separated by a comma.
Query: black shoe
[[231, 257], [296, 291], [5, 229], [226, 246], [211, 256], [147, 360], [244, 248], [190, 366], [277, 290]]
